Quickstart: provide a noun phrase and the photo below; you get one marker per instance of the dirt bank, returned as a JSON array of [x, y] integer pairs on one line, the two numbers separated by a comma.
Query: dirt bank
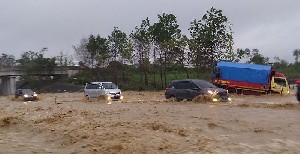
[[145, 122]]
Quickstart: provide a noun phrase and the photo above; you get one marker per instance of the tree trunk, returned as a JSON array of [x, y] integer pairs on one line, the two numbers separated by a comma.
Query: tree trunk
[[146, 78], [165, 71], [186, 72], [154, 79], [161, 76], [115, 73], [123, 76]]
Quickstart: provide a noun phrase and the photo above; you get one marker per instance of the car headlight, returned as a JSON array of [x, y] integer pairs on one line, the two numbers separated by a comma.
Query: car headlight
[[210, 92], [26, 95], [35, 95], [121, 97], [214, 99]]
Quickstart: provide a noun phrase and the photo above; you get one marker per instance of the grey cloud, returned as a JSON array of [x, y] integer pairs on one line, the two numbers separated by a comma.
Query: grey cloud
[[269, 25]]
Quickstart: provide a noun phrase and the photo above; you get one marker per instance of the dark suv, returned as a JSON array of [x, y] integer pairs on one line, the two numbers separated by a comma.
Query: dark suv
[[298, 90], [190, 88], [26, 94]]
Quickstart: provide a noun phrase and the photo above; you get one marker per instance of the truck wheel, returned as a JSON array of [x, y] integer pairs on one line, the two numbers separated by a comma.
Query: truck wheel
[[231, 90], [239, 91]]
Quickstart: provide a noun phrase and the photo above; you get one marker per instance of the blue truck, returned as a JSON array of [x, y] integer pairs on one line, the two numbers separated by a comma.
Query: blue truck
[[245, 78]]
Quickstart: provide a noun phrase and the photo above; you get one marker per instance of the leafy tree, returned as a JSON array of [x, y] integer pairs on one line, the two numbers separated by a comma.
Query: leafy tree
[[93, 52], [257, 58], [119, 45], [98, 47], [164, 35], [120, 49], [92, 47], [7, 60], [142, 45], [280, 63], [296, 54], [182, 54], [242, 54], [211, 39], [34, 63], [103, 53]]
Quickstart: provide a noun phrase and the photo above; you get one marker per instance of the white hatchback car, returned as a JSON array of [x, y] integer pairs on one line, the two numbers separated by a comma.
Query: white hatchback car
[[95, 89]]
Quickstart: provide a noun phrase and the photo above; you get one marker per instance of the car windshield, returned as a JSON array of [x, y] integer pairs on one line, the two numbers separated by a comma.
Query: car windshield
[[27, 91], [109, 86], [205, 84]]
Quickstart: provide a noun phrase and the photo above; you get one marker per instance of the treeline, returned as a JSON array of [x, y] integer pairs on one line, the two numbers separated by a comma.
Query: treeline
[[154, 49], [154, 53], [159, 49]]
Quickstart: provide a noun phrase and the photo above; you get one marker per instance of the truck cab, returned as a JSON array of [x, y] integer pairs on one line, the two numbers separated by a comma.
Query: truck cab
[[279, 84]]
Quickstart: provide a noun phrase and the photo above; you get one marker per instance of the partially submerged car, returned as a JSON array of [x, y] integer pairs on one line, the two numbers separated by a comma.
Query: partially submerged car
[[298, 90], [26, 94], [96, 89], [190, 88]]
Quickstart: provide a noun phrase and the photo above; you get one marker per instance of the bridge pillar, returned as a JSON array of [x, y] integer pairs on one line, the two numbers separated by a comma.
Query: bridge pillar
[[8, 85]]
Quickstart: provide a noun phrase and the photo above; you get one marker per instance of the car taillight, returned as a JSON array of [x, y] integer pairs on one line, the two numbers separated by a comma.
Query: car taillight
[[167, 89]]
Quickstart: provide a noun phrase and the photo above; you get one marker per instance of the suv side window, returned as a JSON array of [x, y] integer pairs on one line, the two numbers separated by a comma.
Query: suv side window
[[182, 85], [192, 85], [186, 85], [95, 86], [172, 85], [88, 86]]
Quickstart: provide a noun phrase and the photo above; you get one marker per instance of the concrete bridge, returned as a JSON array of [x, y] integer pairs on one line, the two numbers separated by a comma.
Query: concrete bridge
[[8, 77]]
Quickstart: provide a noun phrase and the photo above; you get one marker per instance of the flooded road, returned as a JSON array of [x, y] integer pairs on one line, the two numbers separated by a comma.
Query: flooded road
[[145, 122]]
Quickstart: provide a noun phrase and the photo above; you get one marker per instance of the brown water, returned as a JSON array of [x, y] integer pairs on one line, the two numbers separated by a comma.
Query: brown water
[[147, 123]]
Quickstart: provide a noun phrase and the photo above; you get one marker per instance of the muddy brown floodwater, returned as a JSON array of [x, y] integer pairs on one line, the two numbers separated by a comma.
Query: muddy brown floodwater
[[145, 122]]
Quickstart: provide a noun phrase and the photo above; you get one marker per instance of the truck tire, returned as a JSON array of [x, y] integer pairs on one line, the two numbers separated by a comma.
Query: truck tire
[[231, 90], [239, 91]]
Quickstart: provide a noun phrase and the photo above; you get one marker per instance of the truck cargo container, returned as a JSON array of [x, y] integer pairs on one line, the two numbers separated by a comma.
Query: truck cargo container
[[245, 78]]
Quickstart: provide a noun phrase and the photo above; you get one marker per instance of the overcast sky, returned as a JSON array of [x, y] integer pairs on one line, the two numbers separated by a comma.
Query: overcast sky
[[272, 26]]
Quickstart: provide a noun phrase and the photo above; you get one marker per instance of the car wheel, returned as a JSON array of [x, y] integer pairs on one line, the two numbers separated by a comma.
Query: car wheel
[[87, 97], [178, 99], [171, 98]]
